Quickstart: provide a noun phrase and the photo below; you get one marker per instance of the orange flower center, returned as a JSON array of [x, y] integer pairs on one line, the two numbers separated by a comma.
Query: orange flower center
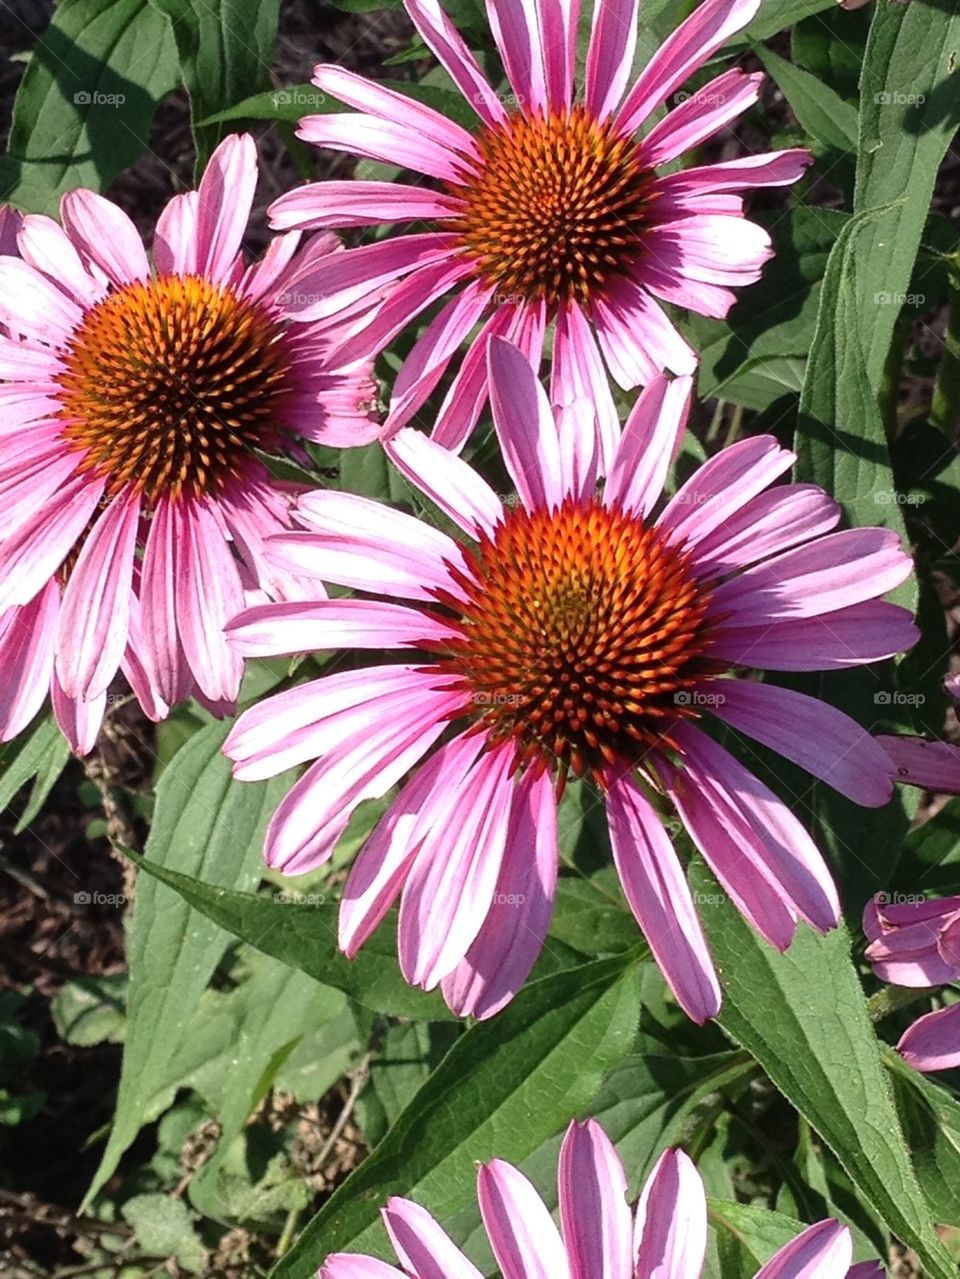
[[169, 385], [582, 632], [557, 208]]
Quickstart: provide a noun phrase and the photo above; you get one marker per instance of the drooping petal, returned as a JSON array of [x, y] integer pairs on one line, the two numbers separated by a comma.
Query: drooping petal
[[319, 625], [79, 721], [933, 765], [30, 305], [656, 888], [452, 881], [31, 555], [516, 29], [849, 637], [502, 954], [208, 595], [47, 247], [92, 629], [424, 1248], [26, 657], [702, 114], [442, 37], [161, 650], [613, 42], [811, 733], [351, 202], [175, 237]]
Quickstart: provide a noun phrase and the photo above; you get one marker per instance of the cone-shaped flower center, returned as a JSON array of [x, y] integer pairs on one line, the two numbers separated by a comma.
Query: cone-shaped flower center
[[168, 385], [582, 633], [556, 209]]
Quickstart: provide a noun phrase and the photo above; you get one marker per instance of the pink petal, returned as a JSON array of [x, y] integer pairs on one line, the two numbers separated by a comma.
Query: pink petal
[[459, 490], [710, 248], [849, 637], [525, 1241], [451, 884], [26, 656], [769, 523], [161, 650], [596, 1221], [649, 444], [933, 765], [47, 247], [401, 304], [441, 36], [399, 144], [225, 198], [834, 572], [670, 1234], [364, 765], [395, 109], [352, 1265], [208, 595], [10, 220], [558, 20], [502, 954], [768, 169], [734, 854], [823, 1251], [105, 236], [425, 365], [719, 488], [637, 340], [759, 817], [933, 1041], [383, 863], [577, 373], [467, 395], [701, 115], [516, 29], [175, 237], [525, 427], [685, 50], [34, 307], [811, 733], [337, 281], [92, 630], [425, 1250], [613, 42], [319, 625], [656, 888], [346, 203], [30, 556], [78, 721]]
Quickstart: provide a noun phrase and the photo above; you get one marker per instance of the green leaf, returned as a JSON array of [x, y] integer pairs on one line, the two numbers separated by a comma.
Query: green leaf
[[163, 1228], [777, 15], [89, 94], [931, 1120], [305, 937], [821, 111], [90, 1010], [591, 917], [504, 1087], [747, 1236], [930, 857], [39, 756], [225, 48], [803, 1017], [202, 822], [909, 113]]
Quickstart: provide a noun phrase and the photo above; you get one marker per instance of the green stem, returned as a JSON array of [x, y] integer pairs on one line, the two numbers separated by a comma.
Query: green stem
[[945, 407], [891, 998]]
